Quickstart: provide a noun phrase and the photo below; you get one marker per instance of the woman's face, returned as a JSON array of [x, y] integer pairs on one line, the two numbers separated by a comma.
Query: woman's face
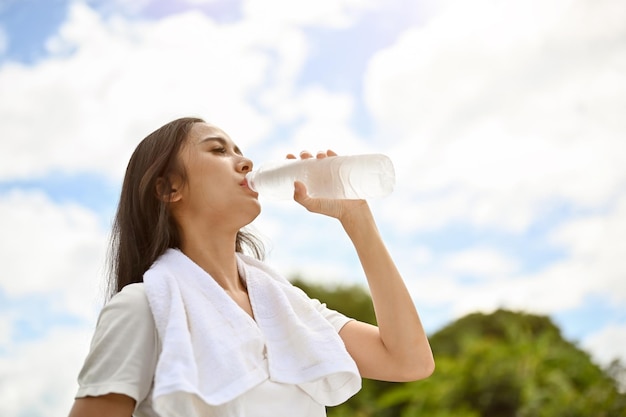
[[216, 190]]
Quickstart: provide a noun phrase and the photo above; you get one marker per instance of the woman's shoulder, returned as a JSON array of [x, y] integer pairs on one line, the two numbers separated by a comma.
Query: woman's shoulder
[[131, 292], [130, 302]]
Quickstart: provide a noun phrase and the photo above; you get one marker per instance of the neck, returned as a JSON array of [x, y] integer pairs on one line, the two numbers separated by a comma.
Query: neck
[[216, 256]]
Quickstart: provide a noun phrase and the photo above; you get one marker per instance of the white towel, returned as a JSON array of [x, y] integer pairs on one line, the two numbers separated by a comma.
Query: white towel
[[213, 351]]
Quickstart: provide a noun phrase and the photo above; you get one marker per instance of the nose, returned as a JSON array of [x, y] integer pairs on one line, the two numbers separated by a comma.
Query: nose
[[244, 164]]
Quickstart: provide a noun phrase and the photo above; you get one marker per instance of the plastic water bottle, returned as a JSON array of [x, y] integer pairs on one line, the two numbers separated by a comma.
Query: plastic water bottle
[[336, 177]]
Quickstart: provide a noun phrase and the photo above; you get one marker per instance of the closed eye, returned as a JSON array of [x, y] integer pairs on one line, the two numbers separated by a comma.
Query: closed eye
[[221, 145]]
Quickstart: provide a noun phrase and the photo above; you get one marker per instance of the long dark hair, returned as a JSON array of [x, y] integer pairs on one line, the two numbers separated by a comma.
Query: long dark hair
[[143, 227]]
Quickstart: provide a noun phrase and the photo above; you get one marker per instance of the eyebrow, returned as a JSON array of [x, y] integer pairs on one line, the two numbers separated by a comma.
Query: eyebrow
[[222, 141]]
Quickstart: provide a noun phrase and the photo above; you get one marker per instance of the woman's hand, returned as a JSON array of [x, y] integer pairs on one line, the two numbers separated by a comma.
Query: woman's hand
[[339, 209]]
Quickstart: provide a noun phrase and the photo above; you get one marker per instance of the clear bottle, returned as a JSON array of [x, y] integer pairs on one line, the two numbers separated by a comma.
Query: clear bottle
[[337, 177]]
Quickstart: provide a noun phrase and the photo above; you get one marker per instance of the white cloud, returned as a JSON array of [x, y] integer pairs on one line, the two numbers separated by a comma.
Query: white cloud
[[58, 250], [108, 83], [591, 265], [496, 114], [44, 370], [330, 13], [483, 262], [54, 253], [6, 329], [607, 344], [508, 107], [325, 123], [310, 246], [86, 110], [596, 246]]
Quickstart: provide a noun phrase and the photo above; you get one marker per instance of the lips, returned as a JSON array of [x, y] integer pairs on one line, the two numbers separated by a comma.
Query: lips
[[245, 184]]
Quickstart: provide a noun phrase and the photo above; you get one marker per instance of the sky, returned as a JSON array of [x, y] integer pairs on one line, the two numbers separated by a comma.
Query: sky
[[504, 121]]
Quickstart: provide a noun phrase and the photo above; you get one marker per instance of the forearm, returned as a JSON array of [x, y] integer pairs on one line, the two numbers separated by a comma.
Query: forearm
[[400, 327], [108, 405]]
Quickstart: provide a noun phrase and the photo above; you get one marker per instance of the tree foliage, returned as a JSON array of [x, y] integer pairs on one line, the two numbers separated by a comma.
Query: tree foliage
[[503, 364]]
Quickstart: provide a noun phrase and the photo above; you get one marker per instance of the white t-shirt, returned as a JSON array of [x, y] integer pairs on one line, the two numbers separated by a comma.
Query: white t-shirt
[[125, 349]]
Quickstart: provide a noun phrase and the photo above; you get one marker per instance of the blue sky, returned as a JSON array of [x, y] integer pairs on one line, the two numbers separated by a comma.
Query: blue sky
[[504, 121]]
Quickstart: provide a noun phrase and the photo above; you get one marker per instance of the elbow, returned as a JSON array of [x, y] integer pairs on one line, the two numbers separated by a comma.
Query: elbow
[[428, 368], [419, 369]]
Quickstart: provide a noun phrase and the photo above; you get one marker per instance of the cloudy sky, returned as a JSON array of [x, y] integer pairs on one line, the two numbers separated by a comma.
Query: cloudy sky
[[504, 120]]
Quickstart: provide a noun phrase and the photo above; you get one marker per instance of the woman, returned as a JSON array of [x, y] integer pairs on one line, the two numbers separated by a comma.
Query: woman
[[196, 327]]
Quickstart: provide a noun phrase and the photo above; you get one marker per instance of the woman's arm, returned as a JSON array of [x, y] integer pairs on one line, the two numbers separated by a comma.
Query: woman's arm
[[110, 405], [398, 349]]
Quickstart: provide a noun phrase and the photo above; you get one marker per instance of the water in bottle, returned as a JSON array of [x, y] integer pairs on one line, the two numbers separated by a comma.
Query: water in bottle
[[337, 177]]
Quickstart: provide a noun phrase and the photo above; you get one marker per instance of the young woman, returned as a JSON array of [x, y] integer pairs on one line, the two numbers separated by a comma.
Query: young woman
[[198, 325]]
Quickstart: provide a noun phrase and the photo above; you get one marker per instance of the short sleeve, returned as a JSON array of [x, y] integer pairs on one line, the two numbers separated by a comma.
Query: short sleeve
[[335, 318], [124, 349]]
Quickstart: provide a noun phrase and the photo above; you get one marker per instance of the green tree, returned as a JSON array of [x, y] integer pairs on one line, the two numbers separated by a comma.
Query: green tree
[[501, 364]]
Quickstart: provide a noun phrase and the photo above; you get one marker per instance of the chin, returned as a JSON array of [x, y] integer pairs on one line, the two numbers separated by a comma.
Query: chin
[[255, 213]]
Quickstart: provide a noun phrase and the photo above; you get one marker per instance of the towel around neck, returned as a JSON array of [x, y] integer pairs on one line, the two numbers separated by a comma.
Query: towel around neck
[[213, 351]]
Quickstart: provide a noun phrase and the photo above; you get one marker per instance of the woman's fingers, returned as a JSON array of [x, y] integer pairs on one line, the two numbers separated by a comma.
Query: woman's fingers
[[308, 155]]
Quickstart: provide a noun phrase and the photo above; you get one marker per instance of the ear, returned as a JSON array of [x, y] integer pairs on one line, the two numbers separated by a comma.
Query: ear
[[168, 191]]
